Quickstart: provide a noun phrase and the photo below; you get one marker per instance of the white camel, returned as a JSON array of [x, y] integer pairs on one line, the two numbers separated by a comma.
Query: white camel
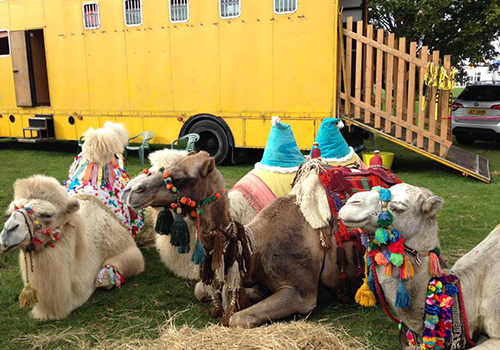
[[67, 246], [414, 211]]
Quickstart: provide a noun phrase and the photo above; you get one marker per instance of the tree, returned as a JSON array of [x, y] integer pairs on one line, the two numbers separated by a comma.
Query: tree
[[464, 29]]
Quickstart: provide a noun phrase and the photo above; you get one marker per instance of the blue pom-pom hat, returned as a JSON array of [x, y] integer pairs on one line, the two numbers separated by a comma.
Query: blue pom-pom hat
[[334, 147]]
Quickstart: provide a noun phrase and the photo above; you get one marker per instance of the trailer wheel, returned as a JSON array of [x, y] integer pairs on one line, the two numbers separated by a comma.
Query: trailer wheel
[[213, 139]]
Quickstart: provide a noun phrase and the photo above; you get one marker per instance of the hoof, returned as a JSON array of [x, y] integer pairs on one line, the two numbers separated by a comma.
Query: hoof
[[201, 293], [242, 321]]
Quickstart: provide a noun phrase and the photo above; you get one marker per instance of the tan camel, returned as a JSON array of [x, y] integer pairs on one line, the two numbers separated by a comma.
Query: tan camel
[[68, 246], [414, 211], [288, 265]]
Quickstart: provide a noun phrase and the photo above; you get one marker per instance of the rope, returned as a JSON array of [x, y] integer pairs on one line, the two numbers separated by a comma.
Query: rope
[[464, 315], [379, 293]]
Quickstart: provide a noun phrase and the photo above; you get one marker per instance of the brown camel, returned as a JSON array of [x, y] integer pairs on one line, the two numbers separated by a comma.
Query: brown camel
[[289, 268]]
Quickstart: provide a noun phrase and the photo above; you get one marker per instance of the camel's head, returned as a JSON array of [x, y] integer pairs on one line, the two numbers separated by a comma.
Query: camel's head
[[39, 203], [165, 159], [194, 177], [413, 209]]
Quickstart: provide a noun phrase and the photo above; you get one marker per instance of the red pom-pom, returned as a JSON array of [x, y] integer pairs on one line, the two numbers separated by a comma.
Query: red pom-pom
[[166, 174], [194, 214], [193, 204], [173, 205], [217, 195], [183, 200], [169, 186], [397, 247]]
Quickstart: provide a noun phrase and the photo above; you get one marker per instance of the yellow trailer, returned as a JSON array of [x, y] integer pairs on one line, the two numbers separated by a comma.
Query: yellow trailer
[[220, 68]]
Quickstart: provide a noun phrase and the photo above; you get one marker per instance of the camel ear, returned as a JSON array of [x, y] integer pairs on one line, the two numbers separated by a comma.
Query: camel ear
[[432, 205], [207, 167], [73, 205]]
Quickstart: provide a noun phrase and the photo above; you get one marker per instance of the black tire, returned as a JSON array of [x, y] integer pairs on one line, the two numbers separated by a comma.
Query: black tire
[[465, 140], [213, 139]]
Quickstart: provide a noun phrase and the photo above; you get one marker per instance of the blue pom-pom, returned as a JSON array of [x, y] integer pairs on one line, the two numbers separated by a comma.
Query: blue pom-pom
[[394, 235], [432, 309], [385, 194], [451, 290], [402, 297], [198, 257]]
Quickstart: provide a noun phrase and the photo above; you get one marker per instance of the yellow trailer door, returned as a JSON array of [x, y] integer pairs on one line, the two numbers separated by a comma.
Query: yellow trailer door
[[20, 69]]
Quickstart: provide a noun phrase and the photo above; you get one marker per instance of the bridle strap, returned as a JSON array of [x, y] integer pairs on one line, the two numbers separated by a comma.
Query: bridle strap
[[379, 293], [464, 315]]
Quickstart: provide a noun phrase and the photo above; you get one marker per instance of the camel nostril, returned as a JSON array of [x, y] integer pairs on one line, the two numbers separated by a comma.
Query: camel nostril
[[16, 226], [354, 202]]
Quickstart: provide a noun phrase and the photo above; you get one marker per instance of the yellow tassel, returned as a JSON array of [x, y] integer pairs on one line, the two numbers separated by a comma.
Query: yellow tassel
[[364, 295], [388, 270], [28, 297]]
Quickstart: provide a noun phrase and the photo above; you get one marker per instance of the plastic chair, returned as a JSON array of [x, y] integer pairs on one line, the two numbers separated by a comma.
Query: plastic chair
[[191, 140], [81, 141], [146, 137]]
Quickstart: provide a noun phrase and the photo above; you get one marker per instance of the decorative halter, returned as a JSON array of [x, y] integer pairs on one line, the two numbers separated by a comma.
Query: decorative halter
[[28, 297], [442, 288], [38, 232], [177, 227]]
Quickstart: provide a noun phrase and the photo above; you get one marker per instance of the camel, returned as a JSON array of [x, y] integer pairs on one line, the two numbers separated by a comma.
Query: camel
[[414, 212], [68, 246], [99, 171], [288, 268]]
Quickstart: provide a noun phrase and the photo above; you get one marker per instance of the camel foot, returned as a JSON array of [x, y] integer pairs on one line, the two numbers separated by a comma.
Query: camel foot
[[108, 277], [243, 321], [201, 293]]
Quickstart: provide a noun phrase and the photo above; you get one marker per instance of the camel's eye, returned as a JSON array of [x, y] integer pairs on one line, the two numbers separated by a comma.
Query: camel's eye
[[46, 215], [398, 207]]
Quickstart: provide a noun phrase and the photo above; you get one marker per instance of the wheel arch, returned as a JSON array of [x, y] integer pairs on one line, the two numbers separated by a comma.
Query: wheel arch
[[204, 116]]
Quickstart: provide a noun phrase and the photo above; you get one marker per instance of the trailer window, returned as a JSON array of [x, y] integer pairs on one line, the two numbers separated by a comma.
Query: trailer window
[[4, 43], [179, 10], [285, 6], [91, 15], [133, 12], [230, 8]]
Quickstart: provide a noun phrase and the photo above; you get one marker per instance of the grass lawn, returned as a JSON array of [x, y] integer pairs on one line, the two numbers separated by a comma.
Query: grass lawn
[[148, 300]]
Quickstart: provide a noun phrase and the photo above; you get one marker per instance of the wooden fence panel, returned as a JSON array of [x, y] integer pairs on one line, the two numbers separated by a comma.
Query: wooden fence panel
[[369, 73], [388, 81], [433, 106], [359, 65], [411, 93], [378, 77], [400, 87], [421, 100]]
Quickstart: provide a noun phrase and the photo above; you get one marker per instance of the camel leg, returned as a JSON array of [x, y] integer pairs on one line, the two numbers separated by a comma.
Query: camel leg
[[256, 293], [285, 302], [490, 344], [130, 262]]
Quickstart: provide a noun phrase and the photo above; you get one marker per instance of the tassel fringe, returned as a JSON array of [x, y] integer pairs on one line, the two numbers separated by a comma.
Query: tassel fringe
[[28, 297], [402, 297]]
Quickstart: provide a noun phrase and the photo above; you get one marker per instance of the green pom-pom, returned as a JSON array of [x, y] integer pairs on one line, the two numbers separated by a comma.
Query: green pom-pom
[[397, 259], [373, 245], [179, 234], [198, 257], [381, 235], [385, 219], [437, 251], [164, 222]]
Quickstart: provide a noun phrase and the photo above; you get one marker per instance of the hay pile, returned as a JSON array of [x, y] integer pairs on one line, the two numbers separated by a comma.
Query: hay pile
[[146, 238], [303, 335], [296, 335]]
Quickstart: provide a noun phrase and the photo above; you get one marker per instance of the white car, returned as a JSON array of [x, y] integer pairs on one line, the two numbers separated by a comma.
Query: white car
[[475, 114]]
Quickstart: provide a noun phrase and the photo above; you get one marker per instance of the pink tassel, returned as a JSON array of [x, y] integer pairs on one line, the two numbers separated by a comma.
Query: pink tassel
[[406, 270], [434, 265], [95, 171]]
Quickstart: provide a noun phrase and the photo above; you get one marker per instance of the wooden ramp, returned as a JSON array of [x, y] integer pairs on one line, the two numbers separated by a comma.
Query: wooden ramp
[[382, 90]]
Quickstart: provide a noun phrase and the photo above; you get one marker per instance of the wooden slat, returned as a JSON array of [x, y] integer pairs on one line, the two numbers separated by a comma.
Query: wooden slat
[[400, 90], [369, 73], [432, 105], [444, 108], [411, 92], [386, 48], [379, 68], [421, 97], [348, 56], [388, 82], [393, 119], [359, 65]]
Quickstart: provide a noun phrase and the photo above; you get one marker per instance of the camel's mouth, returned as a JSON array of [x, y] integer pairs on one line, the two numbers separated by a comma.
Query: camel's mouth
[[7, 247]]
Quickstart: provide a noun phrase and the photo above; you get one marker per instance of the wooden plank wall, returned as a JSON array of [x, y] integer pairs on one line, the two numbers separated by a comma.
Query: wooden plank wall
[[386, 75]]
